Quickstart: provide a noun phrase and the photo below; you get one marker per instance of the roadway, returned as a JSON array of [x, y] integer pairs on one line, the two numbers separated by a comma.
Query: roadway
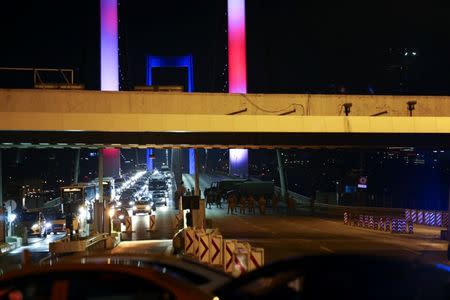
[[303, 234], [37, 246]]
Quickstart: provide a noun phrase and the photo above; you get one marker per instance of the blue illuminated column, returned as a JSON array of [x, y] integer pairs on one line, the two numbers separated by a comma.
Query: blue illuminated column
[[109, 46], [149, 157], [185, 61], [237, 74]]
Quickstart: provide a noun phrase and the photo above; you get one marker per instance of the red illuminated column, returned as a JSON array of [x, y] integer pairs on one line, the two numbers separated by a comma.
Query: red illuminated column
[[237, 62], [237, 74], [111, 162]]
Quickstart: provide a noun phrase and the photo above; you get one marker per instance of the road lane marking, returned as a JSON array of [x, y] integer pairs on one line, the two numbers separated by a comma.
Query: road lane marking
[[326, 249]]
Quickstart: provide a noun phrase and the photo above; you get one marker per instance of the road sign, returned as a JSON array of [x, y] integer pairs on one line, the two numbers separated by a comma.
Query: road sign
[[203, 247], [189, 240], [128, 224], [228, 249], [256, 258], [152, 220], [12, 204], [216, 250]]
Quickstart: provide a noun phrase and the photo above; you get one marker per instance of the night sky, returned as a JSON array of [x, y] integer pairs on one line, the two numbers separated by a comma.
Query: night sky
[[292, 46]]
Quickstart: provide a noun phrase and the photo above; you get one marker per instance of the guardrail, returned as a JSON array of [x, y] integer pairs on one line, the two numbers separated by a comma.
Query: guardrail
[[67, 246]]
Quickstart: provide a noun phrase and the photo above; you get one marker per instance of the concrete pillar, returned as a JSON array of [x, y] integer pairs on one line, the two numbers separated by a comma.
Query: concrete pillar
[[149, 159], [101, 206], [448, 226], [197, 179], [2, 215], [76, 172], [111, 162], [281, 173]]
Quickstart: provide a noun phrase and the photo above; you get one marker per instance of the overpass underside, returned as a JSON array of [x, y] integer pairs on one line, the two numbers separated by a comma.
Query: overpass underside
[[91, 119]]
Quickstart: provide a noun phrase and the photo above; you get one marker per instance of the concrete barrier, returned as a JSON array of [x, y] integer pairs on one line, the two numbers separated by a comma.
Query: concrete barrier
[[67, 246]]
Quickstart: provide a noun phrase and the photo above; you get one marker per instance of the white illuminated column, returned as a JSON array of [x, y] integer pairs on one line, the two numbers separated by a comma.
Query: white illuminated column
[[237, 74], [109, 46]]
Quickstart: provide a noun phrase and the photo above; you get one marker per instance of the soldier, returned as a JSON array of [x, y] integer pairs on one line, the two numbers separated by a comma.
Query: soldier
[[262, 205], [218, 200], [230, 204], [290, 204], [209, 200], [275, 202], [242, 204], [251, 204]]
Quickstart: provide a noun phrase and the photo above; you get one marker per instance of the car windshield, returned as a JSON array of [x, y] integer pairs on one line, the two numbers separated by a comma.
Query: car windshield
[[298, 149]]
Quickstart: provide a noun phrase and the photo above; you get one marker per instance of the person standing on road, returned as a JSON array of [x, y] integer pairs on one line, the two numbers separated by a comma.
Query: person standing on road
[[251, 204], [242, 205], [230, 204], [275, 201], [262, 205]]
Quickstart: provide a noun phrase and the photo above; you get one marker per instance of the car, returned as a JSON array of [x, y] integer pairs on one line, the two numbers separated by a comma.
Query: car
[[341, 277], [142, 207], [160, 197], [35, 223], [96, 281]]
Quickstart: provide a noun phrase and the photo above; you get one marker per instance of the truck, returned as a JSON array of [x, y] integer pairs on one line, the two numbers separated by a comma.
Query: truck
[[241, 187], [222, 187]]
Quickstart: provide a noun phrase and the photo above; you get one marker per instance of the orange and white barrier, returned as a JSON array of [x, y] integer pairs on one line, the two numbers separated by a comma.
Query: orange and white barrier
[[152, 222], [189, 241], [128, 224], [241, 258], [216, 254], [256, 258], [203, 247], [228, 250]]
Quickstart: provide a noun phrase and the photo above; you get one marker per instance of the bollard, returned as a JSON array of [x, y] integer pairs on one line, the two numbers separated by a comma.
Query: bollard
[[361, 221], [394, 226], [381, 223], [376, 223], [345, 218], [366, 221], [445, 219], [388, 224], [420, 217], [438, 219], [407, 214], [371, 223], [414, 216], [410, 227], [401, 225]]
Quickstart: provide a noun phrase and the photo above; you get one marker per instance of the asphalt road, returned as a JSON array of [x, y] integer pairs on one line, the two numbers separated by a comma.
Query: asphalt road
[[282, 236], [37, 246]]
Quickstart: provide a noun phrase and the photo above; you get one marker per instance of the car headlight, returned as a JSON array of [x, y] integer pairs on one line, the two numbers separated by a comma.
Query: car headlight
[[121, 217], [134, 207], [131, 203], [35, 227], [147, 207], [48, 225]]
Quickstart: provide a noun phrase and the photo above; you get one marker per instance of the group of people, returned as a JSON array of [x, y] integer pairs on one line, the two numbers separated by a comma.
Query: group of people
[[249, 204]]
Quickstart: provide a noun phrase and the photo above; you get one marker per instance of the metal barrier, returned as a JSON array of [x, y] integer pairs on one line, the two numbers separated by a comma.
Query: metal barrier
[[384, 223]]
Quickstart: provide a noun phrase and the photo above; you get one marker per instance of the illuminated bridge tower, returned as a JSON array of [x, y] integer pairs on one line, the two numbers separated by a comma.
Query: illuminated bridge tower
[[237, 74], [109, 71]]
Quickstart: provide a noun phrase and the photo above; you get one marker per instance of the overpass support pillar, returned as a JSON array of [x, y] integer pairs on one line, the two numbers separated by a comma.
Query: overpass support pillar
[[99, 207], [238, 163], [197, 180], [2, 219], [281, 172], [77, 166]]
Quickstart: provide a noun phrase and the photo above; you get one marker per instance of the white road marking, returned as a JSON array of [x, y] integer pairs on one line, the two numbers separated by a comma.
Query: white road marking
[[326, 249]]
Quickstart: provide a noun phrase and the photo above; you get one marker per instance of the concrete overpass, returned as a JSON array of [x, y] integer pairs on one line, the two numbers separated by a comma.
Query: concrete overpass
[[65, 118]]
